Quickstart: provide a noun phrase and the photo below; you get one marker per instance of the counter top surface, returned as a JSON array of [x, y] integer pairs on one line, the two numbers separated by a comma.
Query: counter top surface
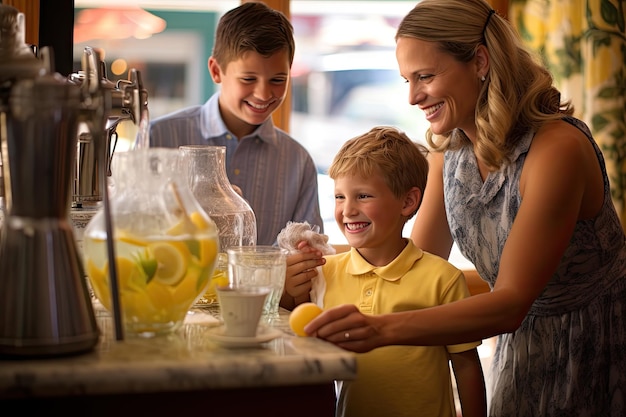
[[184, 361]]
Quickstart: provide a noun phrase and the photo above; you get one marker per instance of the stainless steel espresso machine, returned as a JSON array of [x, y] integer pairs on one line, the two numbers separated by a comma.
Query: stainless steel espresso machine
[[55, 136]]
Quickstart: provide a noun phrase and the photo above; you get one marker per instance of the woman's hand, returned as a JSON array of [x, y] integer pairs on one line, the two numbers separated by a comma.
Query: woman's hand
[[348, 328], [301, 269]]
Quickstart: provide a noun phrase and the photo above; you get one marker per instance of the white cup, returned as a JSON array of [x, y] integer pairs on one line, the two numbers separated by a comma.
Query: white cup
[[259, 266], [241, 309]]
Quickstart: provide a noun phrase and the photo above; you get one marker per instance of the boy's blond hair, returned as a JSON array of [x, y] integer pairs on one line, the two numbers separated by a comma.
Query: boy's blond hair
[[255, 27], [385, 151]]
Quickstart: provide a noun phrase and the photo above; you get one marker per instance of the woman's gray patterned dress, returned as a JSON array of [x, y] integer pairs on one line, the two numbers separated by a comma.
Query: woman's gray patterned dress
[[568, 357]]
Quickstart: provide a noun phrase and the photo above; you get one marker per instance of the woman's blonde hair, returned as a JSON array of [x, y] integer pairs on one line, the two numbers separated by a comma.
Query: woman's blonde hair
[[518, 94], [386, 151]]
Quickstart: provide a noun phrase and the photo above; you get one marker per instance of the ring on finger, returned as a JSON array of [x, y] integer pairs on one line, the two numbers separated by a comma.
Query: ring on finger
[[346, 335]]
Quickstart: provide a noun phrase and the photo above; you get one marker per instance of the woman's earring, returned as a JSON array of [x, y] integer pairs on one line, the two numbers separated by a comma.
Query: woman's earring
[[482, 78]]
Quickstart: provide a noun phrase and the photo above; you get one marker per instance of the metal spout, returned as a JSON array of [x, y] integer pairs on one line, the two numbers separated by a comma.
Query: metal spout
[[124, 100]]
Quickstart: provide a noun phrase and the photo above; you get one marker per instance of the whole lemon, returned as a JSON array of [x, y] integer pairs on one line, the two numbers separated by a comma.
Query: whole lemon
[[302, 315]]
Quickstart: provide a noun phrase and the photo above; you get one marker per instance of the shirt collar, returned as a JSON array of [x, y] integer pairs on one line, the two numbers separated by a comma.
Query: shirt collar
[[393, 271], [213, 125]]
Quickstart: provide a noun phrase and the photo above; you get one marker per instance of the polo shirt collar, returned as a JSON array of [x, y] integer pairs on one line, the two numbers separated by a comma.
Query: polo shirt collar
[[393, 271]]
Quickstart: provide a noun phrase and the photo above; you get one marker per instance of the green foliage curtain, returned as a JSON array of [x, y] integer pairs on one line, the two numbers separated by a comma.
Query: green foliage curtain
[[583, 43]]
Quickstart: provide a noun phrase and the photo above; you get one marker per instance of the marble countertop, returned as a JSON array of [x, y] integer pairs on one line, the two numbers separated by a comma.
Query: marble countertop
[[187, 360]]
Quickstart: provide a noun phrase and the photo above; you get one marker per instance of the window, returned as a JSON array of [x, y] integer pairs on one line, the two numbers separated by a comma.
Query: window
[[344, 77]]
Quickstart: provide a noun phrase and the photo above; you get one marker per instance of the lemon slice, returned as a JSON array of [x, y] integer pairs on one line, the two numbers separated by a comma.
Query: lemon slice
[[124, 236], [207, 252], [160, 296], [94, 272], [99, 282], [137, 306], [130, 274], [184, 227], [220, 279], [187, 290], [198, 220], [171, 262]]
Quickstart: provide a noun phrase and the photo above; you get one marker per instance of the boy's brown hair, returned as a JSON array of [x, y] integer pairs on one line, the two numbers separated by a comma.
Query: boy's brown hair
[[385, 151], [253, 26]]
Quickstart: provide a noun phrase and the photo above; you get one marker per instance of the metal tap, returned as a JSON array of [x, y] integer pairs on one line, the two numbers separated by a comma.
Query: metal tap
[[124, 100]]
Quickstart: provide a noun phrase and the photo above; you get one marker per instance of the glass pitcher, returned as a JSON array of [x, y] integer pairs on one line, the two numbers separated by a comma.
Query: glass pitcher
[[206, 172], [165, 244]]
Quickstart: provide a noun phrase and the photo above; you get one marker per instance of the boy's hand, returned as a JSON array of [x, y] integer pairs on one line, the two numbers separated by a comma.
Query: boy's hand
[[301, 268]]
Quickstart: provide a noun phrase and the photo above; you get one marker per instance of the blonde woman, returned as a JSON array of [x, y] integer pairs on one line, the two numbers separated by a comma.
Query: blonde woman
[[521, 187]]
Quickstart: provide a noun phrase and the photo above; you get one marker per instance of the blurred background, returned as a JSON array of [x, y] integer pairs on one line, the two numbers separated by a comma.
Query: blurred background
[[344, 77]]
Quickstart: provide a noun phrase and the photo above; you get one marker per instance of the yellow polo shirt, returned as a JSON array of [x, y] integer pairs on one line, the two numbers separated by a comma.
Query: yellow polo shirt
[[395, 380]]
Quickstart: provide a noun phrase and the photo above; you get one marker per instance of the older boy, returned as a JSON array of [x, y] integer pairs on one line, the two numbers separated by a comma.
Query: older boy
[[379, 181], [251, 60]]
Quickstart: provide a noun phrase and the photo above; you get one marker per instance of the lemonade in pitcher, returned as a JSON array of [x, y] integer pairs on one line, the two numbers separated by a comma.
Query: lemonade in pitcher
[[159, 278], [165, 245], [218, 279]]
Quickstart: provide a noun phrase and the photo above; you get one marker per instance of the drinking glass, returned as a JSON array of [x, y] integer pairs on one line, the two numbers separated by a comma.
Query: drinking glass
[[260, 266]]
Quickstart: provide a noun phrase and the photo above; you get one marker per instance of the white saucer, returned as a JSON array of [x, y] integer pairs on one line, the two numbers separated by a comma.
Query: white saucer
[[264, 334]]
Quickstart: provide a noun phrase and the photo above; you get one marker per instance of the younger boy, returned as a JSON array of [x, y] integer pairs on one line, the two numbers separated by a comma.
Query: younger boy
[[252, 58], [379, 181]]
